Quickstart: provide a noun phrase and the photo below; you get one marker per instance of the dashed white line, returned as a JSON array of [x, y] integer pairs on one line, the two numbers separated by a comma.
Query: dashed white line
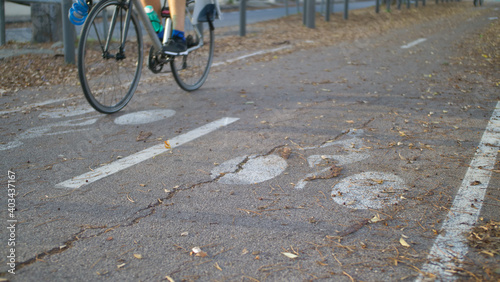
[[143, 155], [250, 55], [413, 43], [451, 245]]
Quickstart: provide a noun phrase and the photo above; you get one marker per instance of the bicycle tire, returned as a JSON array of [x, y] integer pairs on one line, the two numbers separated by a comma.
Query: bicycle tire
[[109, 79], [191, 71]]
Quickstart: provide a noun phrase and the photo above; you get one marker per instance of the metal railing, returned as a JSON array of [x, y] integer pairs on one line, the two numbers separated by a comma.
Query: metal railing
[[68, 28]]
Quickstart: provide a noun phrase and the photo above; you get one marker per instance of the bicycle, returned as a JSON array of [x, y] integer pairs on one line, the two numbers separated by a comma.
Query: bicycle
[[111, 55]]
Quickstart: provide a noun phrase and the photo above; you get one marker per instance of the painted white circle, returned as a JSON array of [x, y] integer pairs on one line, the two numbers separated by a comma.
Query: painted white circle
[[144, 117], [367, 190], [69, 111], [249, 170]]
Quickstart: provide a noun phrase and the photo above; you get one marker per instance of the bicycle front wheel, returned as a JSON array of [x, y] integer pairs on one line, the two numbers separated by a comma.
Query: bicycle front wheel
[[191, 71], [110, 56]]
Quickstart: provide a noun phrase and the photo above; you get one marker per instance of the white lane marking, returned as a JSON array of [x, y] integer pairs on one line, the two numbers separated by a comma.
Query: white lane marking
[[250, 55], [69, 111], [27, 107], [44, 130], [92, 176], [256, 169], [451, 244], [368, 190], [413, 43], [144, 117]]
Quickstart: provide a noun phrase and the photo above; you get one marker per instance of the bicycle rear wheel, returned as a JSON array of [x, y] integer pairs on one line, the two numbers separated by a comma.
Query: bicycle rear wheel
[[191, 71], [109, 71]]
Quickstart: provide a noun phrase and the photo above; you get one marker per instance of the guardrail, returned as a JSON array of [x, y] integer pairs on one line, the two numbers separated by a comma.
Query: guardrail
[[68, 28]]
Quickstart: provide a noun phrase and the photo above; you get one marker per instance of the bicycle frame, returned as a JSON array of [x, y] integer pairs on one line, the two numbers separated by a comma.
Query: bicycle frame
[[147, 24]]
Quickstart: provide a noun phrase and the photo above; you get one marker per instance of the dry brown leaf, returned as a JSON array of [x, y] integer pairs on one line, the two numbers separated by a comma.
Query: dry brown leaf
[[138, 256]]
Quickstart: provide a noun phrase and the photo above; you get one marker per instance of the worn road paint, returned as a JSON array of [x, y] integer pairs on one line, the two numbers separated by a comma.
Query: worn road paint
[[250, 55], [69, 111], [144, 117], [121, 164], [451, 244], [30, 106], [368, 190], [47, 130], [351, 146], [254, 169], [413, 43]]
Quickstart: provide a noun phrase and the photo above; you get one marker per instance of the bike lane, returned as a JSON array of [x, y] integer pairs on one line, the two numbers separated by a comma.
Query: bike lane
[[344, 167]]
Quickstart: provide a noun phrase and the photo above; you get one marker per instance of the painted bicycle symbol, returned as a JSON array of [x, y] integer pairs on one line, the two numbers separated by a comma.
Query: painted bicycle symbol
[[365, 190]]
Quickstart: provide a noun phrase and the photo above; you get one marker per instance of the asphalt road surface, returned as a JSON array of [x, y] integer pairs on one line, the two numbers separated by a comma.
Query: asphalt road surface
[[368, 160]]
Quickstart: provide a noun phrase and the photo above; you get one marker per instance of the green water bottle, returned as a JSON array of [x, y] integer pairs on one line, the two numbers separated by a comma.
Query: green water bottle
[[153, 17]]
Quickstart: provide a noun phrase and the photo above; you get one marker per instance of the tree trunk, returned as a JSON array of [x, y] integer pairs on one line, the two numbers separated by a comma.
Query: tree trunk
[[47, 22]]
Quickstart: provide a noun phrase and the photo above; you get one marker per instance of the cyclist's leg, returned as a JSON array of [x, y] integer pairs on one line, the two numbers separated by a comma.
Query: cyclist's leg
[[177, 46], [178, 13]]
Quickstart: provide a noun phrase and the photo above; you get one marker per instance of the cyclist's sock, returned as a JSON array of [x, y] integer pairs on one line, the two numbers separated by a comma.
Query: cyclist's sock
[[180, 34], [160, 34]]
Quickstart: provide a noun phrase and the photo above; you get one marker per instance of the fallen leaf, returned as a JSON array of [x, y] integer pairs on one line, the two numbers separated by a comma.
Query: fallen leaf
[[167, 145], [170, 279], [376, 219], [290, 255], [198, 252], [403, 242], [286, 152], [218, 267], [138, 256], [143, 136], [121, 265]]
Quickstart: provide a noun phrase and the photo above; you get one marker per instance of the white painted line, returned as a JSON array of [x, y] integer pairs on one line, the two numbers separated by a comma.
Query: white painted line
[[27, 107], [413, 43], [96, 174], [451, 245], [250, 55]]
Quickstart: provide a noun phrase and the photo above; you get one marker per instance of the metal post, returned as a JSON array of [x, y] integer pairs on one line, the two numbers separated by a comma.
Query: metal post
[[304, 14], [243, 17], [311, 13], [346, 9], [286, 8], [328, 12], [2, 22], [68, 33], [388, 5], [377, 6], [408, 4]]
